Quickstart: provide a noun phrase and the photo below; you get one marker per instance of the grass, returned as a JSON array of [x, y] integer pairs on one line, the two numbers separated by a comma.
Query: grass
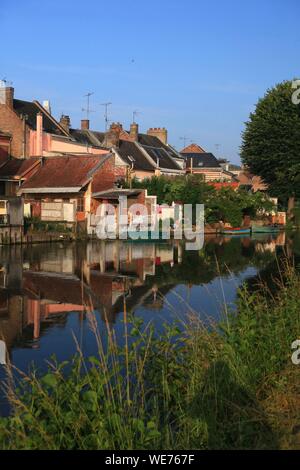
[[228, 388]]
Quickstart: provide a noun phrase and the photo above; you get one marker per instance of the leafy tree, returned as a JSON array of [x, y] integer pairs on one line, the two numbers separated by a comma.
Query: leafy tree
[[271, 142]]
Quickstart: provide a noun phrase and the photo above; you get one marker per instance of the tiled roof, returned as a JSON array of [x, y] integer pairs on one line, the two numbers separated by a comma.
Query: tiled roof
[[87, 137], [16, 168], [134, 152], [64, 172], [31, 109], [193, 148], [133, 155], [116, 193], [202, 160], [158, 150]]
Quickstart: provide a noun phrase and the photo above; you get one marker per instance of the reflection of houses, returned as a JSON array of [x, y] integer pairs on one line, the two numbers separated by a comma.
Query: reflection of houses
[[76, 279]]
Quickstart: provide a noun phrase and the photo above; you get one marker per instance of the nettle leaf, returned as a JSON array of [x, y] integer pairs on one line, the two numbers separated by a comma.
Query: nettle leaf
[[90, 398], [49, 380]]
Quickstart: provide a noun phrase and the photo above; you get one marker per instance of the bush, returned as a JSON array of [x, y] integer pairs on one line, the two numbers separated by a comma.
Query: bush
[[191, 389]]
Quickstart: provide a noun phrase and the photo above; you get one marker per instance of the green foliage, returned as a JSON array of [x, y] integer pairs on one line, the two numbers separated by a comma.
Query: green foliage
[[195, 389], [225, 204], [271, 141], [38, 225], [230, 206]]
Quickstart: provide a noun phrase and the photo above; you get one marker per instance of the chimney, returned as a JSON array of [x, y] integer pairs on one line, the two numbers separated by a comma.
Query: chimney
[[134, 131], [112, 136], [39, 135], [9, 96], [65, 122], [47, 106], [85, 124], [160, 132]]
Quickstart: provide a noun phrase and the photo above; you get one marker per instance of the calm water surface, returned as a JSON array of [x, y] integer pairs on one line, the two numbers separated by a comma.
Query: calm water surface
[[45, 289]]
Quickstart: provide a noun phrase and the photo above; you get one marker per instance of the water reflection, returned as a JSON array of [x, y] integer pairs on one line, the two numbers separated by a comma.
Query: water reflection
[[42, 285]]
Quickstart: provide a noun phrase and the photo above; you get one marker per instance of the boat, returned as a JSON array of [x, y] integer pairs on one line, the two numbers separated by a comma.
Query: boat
[[236, 231], [265, 229]]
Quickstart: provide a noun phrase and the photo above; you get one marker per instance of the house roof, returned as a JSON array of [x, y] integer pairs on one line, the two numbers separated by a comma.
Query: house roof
[[64, 174], [31, 109], [202, 160], [16, 168], [157, 153], [88, 137], [193, 148], [116, 193], [156, 149], [131, 154]]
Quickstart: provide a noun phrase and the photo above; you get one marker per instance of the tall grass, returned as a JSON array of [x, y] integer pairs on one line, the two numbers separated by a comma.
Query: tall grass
[[196, 389]]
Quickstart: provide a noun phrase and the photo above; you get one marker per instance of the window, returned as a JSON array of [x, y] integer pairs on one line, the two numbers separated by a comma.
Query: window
[[80, 204]]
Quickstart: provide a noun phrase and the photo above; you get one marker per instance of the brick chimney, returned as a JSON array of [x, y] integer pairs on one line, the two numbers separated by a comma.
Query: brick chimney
[[112, 136], [65, 122], [160, 132], [85, 124], [134, 131], [9, 96], [39, 134]]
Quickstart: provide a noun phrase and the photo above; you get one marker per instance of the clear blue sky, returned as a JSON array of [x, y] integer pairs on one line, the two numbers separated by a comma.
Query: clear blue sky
[[196, 67]]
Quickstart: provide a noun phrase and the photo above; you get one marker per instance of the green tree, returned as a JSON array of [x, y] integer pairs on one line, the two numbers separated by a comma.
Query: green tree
[[271, 142]]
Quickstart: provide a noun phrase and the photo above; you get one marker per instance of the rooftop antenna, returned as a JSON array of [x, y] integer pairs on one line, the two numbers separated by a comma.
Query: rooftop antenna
[[185, 140], [217, 148], [4, 82], [134, 114], [87, 109], [106, 113]]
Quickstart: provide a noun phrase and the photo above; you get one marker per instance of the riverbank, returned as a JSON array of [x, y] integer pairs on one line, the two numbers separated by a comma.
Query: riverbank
[[228, 388]]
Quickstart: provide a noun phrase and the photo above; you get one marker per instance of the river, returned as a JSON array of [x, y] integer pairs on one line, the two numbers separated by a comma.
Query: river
[[49, 292]]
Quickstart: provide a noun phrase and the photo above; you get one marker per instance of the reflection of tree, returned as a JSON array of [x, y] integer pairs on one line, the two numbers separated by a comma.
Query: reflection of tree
[[201, 267], [272, 275]]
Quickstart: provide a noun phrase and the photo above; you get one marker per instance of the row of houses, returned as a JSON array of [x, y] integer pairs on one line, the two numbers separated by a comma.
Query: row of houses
[[52, 171]]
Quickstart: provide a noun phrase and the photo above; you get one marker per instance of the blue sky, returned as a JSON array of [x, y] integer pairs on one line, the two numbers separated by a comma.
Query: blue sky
[[196, 67]]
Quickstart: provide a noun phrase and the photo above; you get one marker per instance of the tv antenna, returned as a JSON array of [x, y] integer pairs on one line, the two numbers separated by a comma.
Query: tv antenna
[[185, 140], [4, 82], [217, 148], [134, 114], [106, 113], [88, 110]]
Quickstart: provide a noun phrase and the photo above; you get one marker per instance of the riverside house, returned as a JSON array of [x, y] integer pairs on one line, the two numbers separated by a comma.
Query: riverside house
[[61, 190], [31, 130], [199, 162], [137, 155]]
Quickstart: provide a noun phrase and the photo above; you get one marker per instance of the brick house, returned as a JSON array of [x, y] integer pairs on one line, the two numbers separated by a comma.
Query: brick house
[[5, 142], [34, 131], [207, 165], [140, 155], [62, 188]]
